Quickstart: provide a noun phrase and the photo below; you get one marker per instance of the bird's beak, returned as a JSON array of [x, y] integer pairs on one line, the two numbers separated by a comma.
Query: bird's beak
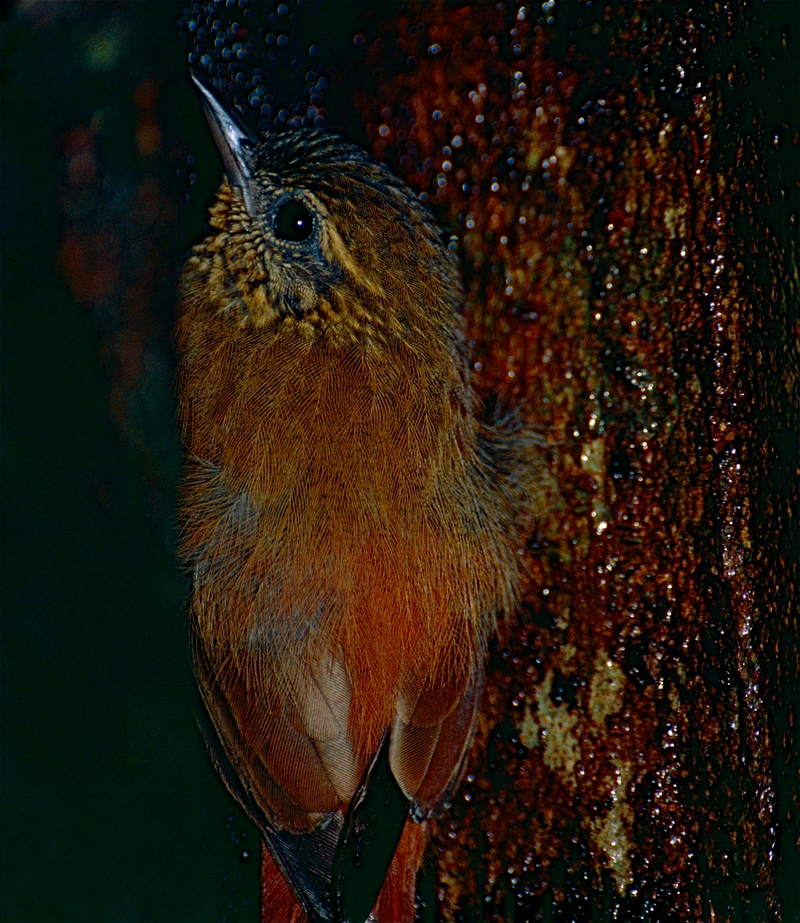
[[235, 140]]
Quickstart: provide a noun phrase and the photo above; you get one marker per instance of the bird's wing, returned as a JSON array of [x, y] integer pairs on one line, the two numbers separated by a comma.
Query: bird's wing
[[284, 755], [305, 860], [287, 740], [431, 735], [416, 768]]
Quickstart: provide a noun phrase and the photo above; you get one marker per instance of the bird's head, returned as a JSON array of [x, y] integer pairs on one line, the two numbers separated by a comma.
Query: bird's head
[[311, 232]]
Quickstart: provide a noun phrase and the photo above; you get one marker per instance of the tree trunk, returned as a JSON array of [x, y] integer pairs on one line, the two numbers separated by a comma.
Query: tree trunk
[[622, 187]]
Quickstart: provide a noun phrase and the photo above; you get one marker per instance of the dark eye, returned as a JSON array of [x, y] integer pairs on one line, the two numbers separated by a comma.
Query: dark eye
[[293, 221]]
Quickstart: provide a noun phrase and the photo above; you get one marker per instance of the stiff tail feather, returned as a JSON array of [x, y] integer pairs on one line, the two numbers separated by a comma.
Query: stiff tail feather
[[396, 903], [278, 903]]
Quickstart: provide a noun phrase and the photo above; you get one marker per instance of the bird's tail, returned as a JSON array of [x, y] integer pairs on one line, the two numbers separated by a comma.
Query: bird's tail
[[396, 901], [278, 903]]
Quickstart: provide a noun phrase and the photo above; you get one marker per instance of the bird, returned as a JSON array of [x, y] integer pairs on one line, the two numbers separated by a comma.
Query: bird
[[350, 513]]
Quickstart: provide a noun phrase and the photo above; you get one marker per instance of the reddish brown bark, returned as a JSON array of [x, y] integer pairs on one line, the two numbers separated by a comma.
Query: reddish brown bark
[[625, 287]]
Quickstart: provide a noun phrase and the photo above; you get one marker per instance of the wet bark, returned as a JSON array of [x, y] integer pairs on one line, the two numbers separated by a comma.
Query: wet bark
[[620, 185]]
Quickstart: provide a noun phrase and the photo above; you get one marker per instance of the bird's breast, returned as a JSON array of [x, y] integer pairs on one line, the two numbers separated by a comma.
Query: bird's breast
[[320, 435], [329, 491]]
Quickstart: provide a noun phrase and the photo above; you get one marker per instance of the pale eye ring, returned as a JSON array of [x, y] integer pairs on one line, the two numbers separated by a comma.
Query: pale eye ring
[[293, 221]]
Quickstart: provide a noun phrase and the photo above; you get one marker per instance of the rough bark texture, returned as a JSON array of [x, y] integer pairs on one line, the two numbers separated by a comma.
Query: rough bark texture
[[613, 184]]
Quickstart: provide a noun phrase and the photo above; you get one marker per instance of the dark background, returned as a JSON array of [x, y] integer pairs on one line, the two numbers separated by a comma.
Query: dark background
[[111, 808]]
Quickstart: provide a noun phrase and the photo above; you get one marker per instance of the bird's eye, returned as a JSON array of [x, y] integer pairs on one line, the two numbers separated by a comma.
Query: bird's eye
[[293, 221]]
